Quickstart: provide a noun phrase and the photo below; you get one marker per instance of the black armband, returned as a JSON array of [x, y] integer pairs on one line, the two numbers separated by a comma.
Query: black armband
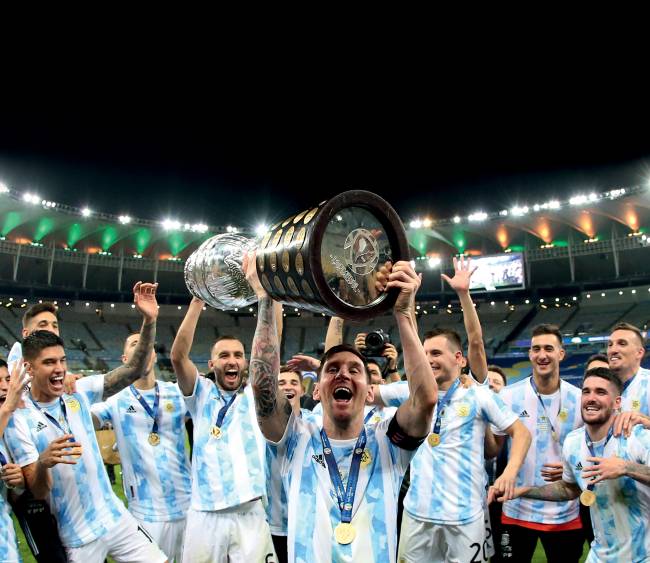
[[400, 438]]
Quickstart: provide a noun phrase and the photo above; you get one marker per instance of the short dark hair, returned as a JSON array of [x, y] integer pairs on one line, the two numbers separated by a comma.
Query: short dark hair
[[226, 337], [343, 348], [38, 341], [596, 358], [605, 373], [541, 329], [284, 368], [497, 369], [449, 333], [3, 364], [37, 309], [631, 328]]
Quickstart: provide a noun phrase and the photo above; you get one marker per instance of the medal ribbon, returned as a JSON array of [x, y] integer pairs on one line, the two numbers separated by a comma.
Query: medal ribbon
[[369, 415], [442, 403], [156, 403], [224, 409], [3, 460], [345, 496], [626, 384], [541, 402], [54, 420], [590, 446]]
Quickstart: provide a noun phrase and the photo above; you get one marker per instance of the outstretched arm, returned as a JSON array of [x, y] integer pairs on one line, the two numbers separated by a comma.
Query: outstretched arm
[[144, 297], [505, 483], [475, 347], [414, 415], [557, 491], [334, 335], [184, 368], [272, 408]]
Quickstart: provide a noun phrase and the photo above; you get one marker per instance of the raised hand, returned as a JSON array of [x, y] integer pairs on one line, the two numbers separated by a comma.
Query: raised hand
[[12, 475], [360, 341], [462, 273], [144, 297], [301, 362], [19, 378], [403, 276], [250, 269]]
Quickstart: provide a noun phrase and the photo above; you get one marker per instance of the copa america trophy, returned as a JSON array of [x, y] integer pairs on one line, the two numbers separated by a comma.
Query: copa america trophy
[[325, 259]]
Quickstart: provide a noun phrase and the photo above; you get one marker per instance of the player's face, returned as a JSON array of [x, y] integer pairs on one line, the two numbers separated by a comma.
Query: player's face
[[600, 400], [344, 386], [289, 383], [445, 362], [42, 321], [4, 384], [545, 355], [129, 347], [495, 381], [375, 374], [624, 351], [228, 364], [48, 370], [596, 364]]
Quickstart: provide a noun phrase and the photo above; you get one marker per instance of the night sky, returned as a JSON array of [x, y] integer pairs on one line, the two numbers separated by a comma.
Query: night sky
[[246, 162]]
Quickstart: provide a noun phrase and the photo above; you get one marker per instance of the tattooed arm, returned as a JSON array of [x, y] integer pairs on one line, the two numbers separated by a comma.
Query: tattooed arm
[[144, 297], [272, 408], [334, 335], [557, 491]]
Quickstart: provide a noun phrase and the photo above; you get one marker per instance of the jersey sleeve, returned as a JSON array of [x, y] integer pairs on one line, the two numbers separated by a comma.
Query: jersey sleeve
[[19, 440], [285, 448], [394, 394], [103, 412], [505, 399], [494, 410], [193, 401], [91, 387], [639, 445], [401, 456], [567, 470]]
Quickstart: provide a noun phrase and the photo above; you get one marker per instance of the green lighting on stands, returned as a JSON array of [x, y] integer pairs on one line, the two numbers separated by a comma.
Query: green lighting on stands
[[561, 243], [515, 248], [109, 238], [44, 227], [12, 220], [142, 239], [176, 243], [459, 240], [419, 241], [74, 234]]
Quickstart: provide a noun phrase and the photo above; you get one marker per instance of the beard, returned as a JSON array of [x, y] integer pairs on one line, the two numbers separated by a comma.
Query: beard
[[228, 383]]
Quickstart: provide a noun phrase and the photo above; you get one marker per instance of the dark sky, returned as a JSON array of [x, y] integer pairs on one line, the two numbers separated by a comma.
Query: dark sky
[[221, 161]]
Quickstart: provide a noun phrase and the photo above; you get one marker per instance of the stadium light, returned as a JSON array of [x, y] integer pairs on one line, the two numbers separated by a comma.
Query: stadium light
[[578, 200], [124, 219], [86, 212], [426, 223], [415, 224], [202, 228], [261, 229], [433, 262], [3, 188], [31, 198], [478, 216], [456, 219], [519, 211], [171, 225]]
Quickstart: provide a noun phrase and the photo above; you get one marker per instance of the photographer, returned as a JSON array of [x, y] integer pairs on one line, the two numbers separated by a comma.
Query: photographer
[[377, 344]]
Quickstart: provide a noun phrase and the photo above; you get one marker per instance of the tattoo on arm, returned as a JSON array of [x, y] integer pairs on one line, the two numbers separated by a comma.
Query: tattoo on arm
[[558, 491], [265, 365], [638, 472], [123, 376]]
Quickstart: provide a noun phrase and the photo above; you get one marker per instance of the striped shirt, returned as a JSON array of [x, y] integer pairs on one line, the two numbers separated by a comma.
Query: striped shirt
[[620, 513], [521, 398], [156, 479], [636, 396], [81, 498], [229, 470], [8, 545], [313, 511]]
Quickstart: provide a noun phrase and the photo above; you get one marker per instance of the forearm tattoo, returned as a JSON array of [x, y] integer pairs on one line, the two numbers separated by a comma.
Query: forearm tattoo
[[123, 376], [557, 491], [265, 362], [638, 472]]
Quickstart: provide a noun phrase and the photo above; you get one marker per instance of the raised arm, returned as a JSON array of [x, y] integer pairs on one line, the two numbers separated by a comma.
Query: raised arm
[[14, 398], [414, 416], [475, 347], [144, 297], [272, 408], [184, 368], [334, 335]]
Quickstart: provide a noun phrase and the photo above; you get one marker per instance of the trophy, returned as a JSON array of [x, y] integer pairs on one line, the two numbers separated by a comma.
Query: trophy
[[325, 259]]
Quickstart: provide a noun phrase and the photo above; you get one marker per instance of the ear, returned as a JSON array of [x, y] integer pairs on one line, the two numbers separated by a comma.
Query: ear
[[28, 367], [25, 333], [370, 397], [316, 392], [617, 402], [211, 364], [562, 353], [124, 360]]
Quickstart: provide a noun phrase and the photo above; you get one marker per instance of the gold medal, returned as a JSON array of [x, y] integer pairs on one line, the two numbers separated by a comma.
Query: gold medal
[[366, 458], [587, 498], [563, 415], [169, 406], [216, 432], [555, 436], [433, 439], [345, 533], [73, 405], [154, 438]]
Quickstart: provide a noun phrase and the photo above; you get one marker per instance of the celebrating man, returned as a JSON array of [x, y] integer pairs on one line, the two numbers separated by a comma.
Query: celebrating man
[[53, 440], [342, 479]]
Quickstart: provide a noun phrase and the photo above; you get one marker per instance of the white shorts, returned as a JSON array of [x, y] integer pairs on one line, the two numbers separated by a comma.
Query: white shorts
[[168, 536], [240, 534], [448, 543], [126, 542]]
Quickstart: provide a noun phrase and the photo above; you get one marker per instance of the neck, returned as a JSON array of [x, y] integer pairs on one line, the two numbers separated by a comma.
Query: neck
[[547, 384], [42, 396], [447, 383], [146, 382], [599, 431], [337, 430], [628, 374], [296, 409]]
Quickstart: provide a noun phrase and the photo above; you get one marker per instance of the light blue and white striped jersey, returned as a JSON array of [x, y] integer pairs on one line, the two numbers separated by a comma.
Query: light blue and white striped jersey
[[229, 470], [523, 401], [276, 508], [636, 396], [379, 412], [620, 515], [14, 356], [448, 481], [8, 545], [156, 479], [81, 498], [313, 506]]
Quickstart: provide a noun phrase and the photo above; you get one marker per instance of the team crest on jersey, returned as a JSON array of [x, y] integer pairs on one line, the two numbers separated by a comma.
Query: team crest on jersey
[[73, 405], [636, 405], [366, 458], [40, 426], [563, 415], [169, 406], [462, 409]]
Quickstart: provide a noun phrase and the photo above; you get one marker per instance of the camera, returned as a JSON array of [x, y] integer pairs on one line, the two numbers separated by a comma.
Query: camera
[[375, 342]]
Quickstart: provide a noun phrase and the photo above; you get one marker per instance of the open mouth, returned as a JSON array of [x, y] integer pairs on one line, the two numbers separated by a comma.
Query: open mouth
[[342, 394], [592, 408], [231, 375], [56, 381], [289, 394]]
